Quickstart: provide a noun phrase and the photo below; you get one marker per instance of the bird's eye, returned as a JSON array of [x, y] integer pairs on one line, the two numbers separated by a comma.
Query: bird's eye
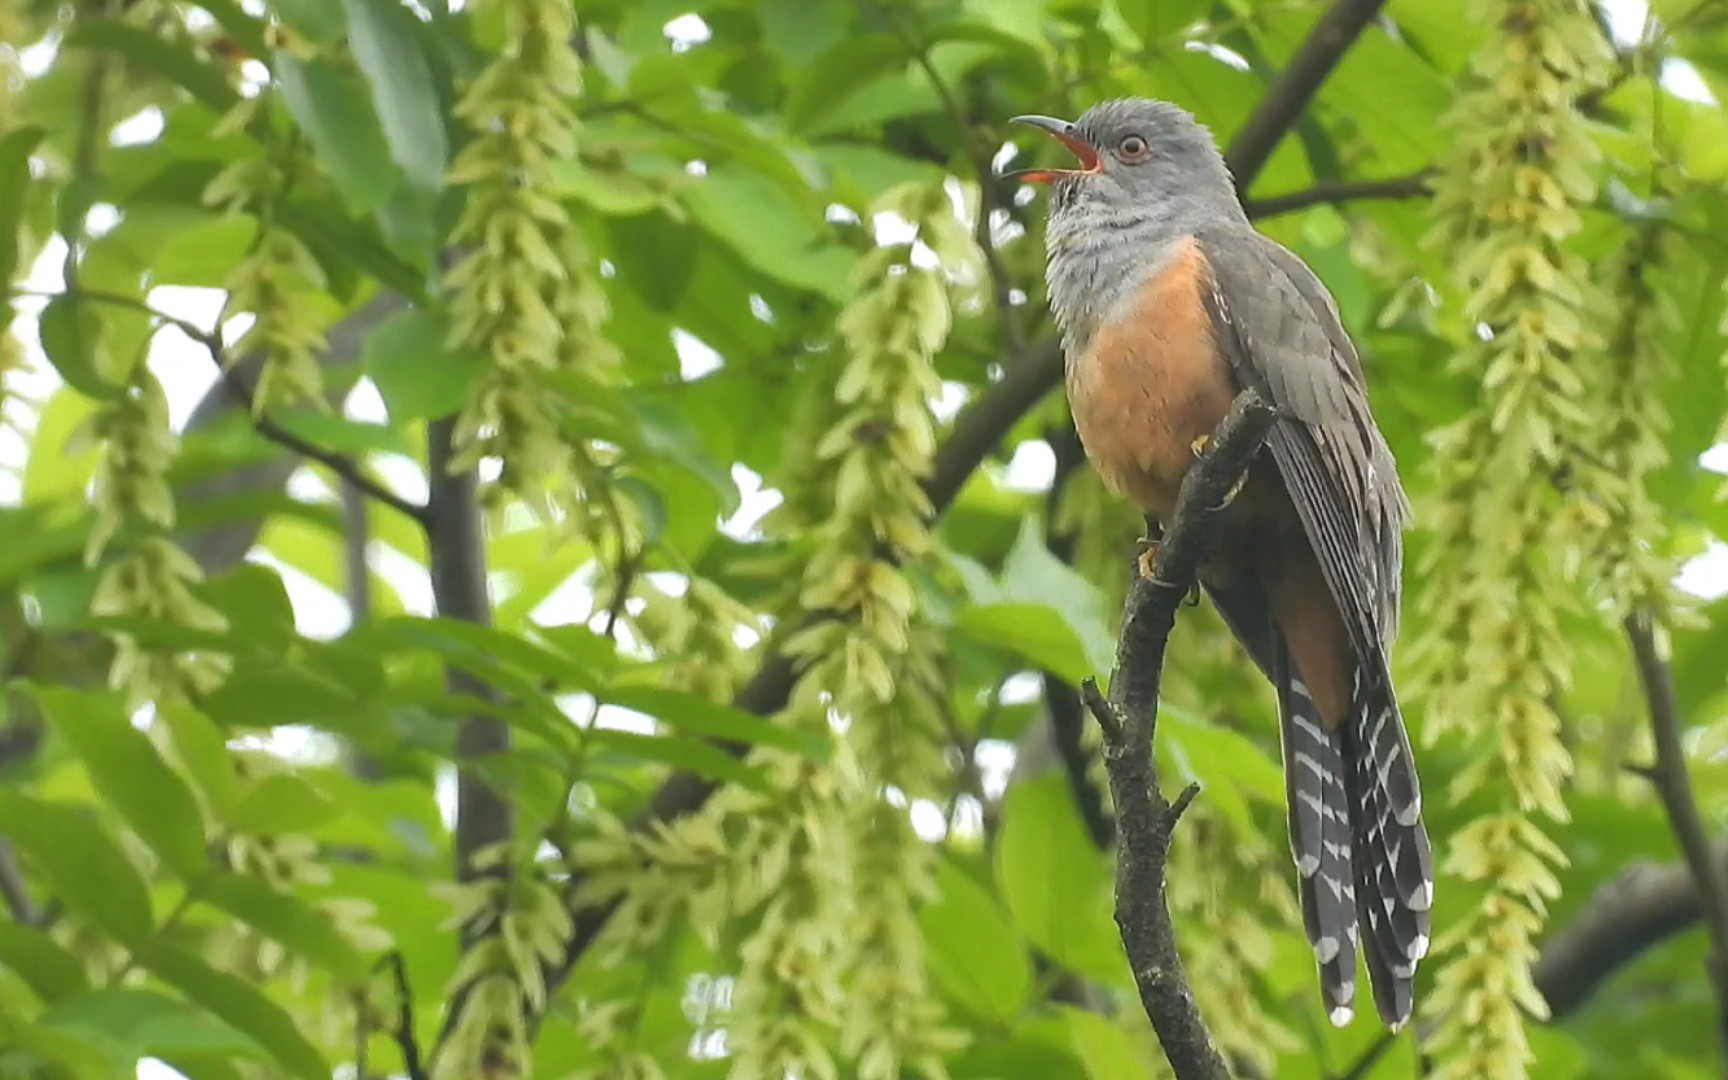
[[1132, 148]]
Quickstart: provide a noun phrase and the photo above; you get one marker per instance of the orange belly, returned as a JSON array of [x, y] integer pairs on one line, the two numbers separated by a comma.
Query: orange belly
[[1150, 383]]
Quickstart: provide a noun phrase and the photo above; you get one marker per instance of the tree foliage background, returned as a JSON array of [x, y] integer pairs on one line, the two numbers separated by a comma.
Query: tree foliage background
[[615, 609]]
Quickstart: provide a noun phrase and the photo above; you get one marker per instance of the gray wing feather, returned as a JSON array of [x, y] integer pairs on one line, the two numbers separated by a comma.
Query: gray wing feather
[[1290, 342]]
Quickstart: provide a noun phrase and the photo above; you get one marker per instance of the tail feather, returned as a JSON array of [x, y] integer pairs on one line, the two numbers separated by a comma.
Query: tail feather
[[1321, 838], [1394, 862]]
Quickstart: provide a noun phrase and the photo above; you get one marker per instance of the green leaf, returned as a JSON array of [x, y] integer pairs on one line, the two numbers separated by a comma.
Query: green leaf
[[80, 863], [241, 1004], [203, 751], [321, 21], [15, 149], [418, 374], [1156, 20], [461, 641], [287, 919], [1057, 884], [1227, 765], [749, 213], [281, 803], [51, 971], [692, 755], [130, 775], [974, 953], [666, 431], [336, 433], [330, 108], [54, 469], [149, 1024], [72, 339], [1104, 1045], [386, 41], [164, 55], [698, 715], [1034, 632]]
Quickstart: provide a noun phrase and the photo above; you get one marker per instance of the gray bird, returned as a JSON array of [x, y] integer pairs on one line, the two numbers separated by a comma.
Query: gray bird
[[1170, 302]]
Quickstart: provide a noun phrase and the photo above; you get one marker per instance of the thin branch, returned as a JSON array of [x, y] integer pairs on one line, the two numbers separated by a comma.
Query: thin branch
[[1290, 93], [346, 468], [1675, 789], [1332, 193], [13, 889], [1146, 822], [403, 1030]]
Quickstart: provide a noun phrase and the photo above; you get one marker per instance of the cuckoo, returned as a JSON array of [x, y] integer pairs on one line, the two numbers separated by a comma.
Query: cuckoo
[[1169, 303]]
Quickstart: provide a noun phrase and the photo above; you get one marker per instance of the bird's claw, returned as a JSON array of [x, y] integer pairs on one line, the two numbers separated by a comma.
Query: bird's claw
[[1199, 445], [1148, 554]]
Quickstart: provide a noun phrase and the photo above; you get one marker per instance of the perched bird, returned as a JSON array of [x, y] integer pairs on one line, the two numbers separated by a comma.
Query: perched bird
[[1170, 303]]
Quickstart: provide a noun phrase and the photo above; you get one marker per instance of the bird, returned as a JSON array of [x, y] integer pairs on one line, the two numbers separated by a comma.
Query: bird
[[1169, 303]]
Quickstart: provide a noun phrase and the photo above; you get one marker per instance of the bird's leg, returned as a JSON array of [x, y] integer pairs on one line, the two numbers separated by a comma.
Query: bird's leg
[[1148, 548], [1199, 447]]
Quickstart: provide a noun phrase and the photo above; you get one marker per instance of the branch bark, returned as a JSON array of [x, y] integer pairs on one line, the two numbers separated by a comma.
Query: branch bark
[[1339, 191], [1673, 785], [1291, 92], [1644, 906], [458, 555], [1146, 821]]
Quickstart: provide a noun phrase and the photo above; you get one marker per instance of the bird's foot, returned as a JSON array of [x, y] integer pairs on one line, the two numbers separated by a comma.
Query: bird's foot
[[1199, 445], [1147, 556]]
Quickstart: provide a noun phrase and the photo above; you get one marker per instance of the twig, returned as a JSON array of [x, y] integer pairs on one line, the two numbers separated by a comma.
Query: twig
[[1340, 191], [1675, 789], [403, 1030], [346, 468], [1290, 93], [1145, 820], [1001, 282], [13, 889]]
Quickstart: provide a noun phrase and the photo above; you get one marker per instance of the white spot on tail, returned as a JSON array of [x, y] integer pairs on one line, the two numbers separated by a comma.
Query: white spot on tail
[[1418, 947], [1306, 865], [1423, 898], [1326, 949], [1300, 687], [1341, 1016]]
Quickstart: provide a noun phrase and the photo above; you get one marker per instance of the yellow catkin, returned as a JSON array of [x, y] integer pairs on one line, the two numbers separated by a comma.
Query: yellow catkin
[[1493, 657]]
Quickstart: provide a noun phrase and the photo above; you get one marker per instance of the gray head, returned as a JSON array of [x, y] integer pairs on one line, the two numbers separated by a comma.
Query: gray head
[[1149, 174]]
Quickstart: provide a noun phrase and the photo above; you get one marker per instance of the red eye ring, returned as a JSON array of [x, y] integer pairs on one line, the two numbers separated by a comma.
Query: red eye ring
[[1133, 148]]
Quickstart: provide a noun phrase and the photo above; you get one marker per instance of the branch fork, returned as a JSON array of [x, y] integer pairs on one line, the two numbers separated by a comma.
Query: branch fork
[[1146, 820]]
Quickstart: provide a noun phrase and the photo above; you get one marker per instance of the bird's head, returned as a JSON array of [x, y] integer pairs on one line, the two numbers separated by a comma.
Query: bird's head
[[1131, 153]]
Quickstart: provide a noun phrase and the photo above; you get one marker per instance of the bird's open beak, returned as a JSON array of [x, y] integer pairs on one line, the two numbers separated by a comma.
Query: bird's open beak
[[1064, 132]]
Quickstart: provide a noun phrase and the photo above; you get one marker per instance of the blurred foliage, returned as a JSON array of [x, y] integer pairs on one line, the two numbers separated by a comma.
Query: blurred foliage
[[699, 288]]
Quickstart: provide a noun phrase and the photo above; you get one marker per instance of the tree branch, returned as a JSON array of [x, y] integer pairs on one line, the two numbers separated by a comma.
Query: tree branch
[[1291, 92], [1145, 820], [1340, 191], [1643, 906], [1675, 789], [458, 555], [346, 468]]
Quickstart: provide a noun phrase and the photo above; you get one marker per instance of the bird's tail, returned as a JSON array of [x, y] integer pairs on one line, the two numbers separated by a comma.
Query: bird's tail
[[1362, 855], [1394, 863], [1318, 800]]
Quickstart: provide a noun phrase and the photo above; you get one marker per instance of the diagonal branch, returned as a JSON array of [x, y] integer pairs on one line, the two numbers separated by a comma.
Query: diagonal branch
[[1146, 821], [346, 468], [1675, 789], [1291, 92]]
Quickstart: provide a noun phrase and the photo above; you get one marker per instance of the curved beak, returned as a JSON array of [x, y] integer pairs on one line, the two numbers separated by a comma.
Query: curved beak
[[1091, 162]]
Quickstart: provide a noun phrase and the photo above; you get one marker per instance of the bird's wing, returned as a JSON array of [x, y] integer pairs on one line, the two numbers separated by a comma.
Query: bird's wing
[[1279, 329]]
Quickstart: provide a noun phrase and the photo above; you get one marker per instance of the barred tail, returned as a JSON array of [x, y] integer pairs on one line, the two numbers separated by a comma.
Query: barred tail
[[1318, 800], [1393, 860]]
